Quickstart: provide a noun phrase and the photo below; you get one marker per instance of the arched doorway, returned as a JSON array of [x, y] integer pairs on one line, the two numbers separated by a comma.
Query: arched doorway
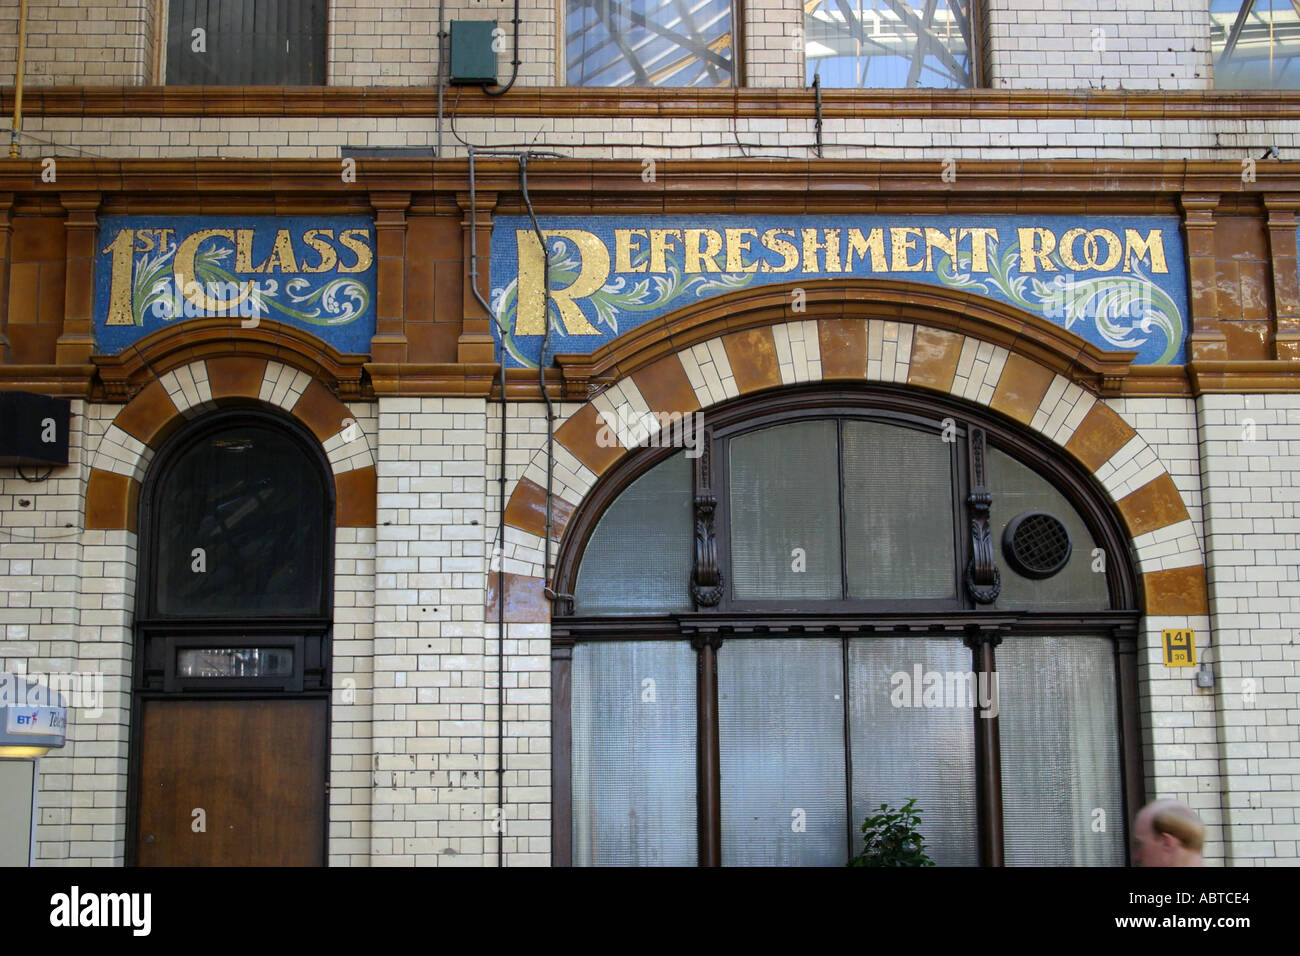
[[852, 596], [232, 637]]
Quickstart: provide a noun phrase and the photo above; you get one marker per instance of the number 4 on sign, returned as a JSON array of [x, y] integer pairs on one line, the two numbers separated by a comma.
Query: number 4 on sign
[[1179, 646]]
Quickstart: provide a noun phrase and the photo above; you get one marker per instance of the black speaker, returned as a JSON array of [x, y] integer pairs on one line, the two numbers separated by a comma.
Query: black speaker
[[34, 429]]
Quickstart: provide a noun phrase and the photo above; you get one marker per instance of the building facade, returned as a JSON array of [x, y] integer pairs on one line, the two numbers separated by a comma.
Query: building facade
[[667, 458]]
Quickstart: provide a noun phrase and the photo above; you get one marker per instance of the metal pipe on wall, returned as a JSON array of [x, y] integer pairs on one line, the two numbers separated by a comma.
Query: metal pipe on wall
[[16, 129]]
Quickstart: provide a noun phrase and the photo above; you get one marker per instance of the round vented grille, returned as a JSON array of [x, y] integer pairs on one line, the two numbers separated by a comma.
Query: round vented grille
[[1036, 544]]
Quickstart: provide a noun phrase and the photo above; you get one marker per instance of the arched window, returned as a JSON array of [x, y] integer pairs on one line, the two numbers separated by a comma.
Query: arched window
[[847, 599]]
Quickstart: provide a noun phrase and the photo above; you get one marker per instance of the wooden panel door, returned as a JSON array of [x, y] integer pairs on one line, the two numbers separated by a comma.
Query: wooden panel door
[[255, 767]]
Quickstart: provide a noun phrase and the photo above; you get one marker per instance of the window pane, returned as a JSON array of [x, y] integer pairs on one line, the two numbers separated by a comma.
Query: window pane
[[785, 496], [634, 754], [781, 720], [1256, 44], [1018, 489], [649, 42], [892, 44], [638, 560], [240, 523], [908, 744], [247, 43], [898, 534], [1060, 752]]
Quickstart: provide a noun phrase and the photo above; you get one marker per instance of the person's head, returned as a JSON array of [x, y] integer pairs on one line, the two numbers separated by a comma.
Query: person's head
[[1167, 833]]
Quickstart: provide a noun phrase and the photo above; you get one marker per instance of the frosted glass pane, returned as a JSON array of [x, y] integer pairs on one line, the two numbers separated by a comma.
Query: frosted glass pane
[[1016, 489], [898, 534], [633, 754], [785, 495], [638, 560], [906, 744], [1060, 752], [781, 720]]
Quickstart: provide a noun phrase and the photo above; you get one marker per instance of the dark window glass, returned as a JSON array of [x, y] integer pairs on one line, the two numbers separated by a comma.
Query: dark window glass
[[638, 560], [1256, 44], [649, 43], [246, 42], [888, 44], [240, 519], [1018, 489], [785, 513], [898, 534]]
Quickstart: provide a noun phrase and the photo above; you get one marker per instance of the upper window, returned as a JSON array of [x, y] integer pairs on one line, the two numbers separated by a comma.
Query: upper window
[[649, 43], [889, 44], [246, 42], [1256, 44], [240, 517]]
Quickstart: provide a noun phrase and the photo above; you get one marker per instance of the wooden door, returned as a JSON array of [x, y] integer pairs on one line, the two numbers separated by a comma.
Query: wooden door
[[256, 768]]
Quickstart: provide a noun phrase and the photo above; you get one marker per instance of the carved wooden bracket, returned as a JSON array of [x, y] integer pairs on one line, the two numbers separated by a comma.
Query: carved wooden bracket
[[983, 581], [706, 575]]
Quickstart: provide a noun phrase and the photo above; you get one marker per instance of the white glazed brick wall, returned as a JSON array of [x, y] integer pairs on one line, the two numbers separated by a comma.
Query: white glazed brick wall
[[774, 40], [79, 42], [1100, 44], [1252, 528], [917, 139]]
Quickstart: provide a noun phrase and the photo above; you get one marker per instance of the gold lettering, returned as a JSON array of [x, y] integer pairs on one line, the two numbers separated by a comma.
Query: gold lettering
[[874, 243], [738, 246], [328, 257], [623, 250], [1036, 247], [530, 312], [1154, 244], [787, 250], [358, 240], [979, 251], [659, 246], [706, 261], [901, 242], [281, 257], [943, 241], [811, 246], [186, 281], [119, 283], [244, 252], [1090, 262]]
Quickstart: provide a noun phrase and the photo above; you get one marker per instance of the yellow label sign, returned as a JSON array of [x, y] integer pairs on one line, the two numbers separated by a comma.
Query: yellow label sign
[[1180, 647]]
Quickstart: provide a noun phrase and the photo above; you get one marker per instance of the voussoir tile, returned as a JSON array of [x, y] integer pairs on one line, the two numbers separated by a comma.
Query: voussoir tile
[[1101, 433], [1155, 505]]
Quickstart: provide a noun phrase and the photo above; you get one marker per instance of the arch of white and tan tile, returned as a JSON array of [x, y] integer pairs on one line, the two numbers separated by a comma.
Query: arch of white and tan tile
[[138, 430], [1020, 366]]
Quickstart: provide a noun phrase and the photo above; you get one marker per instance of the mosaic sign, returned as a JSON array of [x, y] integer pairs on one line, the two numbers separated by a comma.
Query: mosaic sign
[[1119, 283], [317, 273]]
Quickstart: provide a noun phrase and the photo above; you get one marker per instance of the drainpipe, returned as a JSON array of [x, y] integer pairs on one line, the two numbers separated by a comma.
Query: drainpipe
[[18, 81]]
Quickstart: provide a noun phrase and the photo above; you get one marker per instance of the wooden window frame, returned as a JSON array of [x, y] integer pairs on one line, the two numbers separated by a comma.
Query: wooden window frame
[[980, 627]]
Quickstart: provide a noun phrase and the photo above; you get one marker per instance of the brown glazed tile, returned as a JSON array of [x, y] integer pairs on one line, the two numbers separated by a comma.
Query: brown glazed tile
[[354, 498], [1247, 341], [320, 411], [49, 307], [665, 387], [935, 353], [420, 290], [843, 344], [753, 359], [236, 377], [1176, 591], [1021, 388], [112, 501], [1101, 433], [526, 510], [525, 601], [578, 435], [24, 288], [33, 344], [1155, 505], [146, 416]]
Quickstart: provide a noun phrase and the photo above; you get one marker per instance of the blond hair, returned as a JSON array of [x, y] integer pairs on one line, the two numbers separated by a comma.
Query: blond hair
[[1179, 820]]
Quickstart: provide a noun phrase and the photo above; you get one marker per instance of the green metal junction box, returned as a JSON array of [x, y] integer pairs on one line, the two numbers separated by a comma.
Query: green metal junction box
[[472, 58]]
